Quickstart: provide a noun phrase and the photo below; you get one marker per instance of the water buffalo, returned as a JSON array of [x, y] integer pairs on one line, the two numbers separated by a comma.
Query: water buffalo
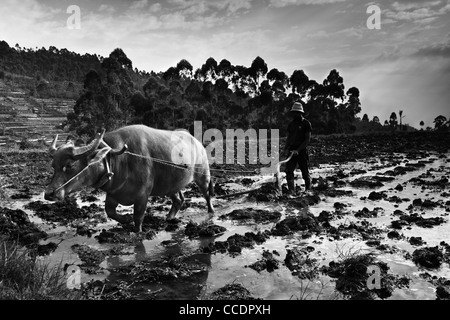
[[129, 178]]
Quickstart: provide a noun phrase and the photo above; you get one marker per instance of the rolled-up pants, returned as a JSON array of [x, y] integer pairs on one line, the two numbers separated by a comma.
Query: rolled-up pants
[[302, 160]]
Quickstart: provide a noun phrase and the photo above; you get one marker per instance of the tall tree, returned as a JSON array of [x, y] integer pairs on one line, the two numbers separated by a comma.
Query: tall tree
[[225, 69], [365, 118], [393, 120], [439, 122], [208, 70], [257, 70], [300, 82], [354, 104], [184, 68], [334, 85]]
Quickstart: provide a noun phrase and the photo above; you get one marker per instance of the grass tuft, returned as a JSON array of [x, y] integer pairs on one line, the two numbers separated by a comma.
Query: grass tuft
[[24, 277]]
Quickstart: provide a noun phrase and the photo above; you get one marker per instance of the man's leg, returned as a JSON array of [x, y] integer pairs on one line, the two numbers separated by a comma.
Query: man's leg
[[290, 168], [304, 168]]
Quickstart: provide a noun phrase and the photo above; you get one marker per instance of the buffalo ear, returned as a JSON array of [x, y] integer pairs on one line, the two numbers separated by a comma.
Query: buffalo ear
[[100, 154]]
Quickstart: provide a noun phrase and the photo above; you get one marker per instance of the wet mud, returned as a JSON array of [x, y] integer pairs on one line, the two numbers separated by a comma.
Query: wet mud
[[376, 201]]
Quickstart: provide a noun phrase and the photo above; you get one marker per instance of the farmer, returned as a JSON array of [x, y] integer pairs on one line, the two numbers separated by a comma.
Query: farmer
[[299, 136]]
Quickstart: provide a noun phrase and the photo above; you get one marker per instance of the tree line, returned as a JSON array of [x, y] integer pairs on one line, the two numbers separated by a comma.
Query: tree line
[[220, 94], [109, 93], [395, 123]]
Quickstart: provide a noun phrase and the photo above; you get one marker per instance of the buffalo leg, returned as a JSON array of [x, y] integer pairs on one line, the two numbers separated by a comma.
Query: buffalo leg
[[139, 212], [110, 208], [204, 188], [177, 202]]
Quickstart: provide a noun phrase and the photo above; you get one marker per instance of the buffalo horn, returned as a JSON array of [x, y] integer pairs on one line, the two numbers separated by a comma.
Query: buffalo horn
[[79, 152], [52, 148]]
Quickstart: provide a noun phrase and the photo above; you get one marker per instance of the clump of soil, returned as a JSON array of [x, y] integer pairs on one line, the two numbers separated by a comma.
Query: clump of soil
[[394, 235], [67, 212], [91, 258], [267, 192], [353, 277], [442, 183], [85, 231], [157, 223], [301, 265], [194, 230], [257, 215], [166, 269], [235, 243], [333, 192], [363, 229], [366, 182], [400, 170], [46, 249], [24, 193], [416, 241], [325, 217], [418, 220], [125, 232], [339, 206], [432, 257], [16, 226], [268, 262], [427, 204], [234, 291], [105, 290], [442, 285], [124, 235], [375, 196], [89, 198], [302, 222], [366, 213], [219, 190], [305, 201]]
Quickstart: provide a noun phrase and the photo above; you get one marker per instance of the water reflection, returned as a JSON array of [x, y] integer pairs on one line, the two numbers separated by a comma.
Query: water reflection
[[178, 253]]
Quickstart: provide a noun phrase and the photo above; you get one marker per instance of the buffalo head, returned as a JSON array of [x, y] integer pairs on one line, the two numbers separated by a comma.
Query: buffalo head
[[75, 167]]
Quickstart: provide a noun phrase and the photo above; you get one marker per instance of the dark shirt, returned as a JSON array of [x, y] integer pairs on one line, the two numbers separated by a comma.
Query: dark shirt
[[297, 131]]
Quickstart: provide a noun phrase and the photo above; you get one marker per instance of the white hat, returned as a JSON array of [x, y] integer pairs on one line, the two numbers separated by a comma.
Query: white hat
[[297, 107]]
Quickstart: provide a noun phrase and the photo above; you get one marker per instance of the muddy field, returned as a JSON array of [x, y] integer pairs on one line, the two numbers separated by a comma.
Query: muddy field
[[379, 204]]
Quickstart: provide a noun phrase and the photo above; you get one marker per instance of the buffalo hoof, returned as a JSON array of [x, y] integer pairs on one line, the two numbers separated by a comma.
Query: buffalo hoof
[[125, 219]]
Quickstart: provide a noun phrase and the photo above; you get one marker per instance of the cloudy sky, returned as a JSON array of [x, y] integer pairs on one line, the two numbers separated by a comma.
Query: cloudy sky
[[404, 65]]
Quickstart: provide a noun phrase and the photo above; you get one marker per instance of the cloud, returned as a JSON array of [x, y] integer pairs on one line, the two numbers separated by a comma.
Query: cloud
[[139, 4], [441, 49], [106, 9], [418, 12], [348, 32], [409, 5], [199, 7], [284, 3]]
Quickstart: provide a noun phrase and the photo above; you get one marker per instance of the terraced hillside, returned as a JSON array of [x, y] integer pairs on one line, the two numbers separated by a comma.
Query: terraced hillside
[[23, 116]]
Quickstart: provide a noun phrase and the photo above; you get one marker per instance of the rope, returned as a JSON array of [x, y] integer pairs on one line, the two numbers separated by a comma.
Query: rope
[[168, 163], [187, 167], [76, 176]]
